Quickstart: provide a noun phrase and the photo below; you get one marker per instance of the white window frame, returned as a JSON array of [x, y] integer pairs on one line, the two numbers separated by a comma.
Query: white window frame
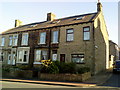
[[3, 41], [10, 40], [25, 39], [9, 58], [55, 35], [86, 33], [15, 40], [42, 38], [22, 56], [69, 35]]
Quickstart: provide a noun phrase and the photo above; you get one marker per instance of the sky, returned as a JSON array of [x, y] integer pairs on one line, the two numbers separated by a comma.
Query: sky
[[36, 11]]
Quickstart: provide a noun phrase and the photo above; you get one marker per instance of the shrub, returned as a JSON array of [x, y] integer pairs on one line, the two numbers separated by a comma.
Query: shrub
[[52, 68], [82, 70], [65, 67], [24, 67]]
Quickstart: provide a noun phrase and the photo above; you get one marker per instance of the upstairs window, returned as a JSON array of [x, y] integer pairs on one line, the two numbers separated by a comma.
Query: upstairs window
[[2, 41], [43, 38], [15, 40], [10, 40], [78, 58], [70, 35], [25, 39], [55, 37], [86, 33]]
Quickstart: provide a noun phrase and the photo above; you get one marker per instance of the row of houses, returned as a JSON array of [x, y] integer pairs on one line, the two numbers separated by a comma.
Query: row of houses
[[82, 39]]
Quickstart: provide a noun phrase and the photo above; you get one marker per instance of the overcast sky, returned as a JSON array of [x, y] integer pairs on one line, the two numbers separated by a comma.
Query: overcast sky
[[36, 11]]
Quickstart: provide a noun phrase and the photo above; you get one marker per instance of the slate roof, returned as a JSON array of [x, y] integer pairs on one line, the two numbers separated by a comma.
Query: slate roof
[[55, 23]]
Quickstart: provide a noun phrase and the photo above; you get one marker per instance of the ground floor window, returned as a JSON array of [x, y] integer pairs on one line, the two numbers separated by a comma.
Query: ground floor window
[[40, 55], [54, 55], [78, 58], [23, 56], [1, 56], [9, 58]]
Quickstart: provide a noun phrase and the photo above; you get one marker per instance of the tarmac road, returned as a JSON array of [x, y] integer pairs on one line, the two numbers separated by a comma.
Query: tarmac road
[[113, 81]]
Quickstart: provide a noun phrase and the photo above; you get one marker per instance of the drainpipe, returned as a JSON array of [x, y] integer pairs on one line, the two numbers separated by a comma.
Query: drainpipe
[[49, 46], [94, 49]]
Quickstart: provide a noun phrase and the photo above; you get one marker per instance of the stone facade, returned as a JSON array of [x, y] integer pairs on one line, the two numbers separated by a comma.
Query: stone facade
[[94, 52]]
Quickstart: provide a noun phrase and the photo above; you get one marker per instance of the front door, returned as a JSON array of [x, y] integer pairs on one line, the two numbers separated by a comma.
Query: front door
[[62, 57]]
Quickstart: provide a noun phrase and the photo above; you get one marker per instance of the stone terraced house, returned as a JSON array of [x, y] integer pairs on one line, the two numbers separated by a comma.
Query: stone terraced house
[[82, 39]]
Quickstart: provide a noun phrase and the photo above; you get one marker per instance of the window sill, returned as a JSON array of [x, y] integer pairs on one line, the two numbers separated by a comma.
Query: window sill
[[54, 43], [37, 63]]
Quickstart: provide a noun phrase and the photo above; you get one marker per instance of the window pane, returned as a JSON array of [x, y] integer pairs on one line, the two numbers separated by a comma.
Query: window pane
[[42, 38], [86, 35], [25, 39], [3, 41], [86, 29], [15, 39], [10, 40], [70, 31], [78, 58], [55, 37], [37, 55], [44, 55], [20, 53], [69, 37], [25, 56]]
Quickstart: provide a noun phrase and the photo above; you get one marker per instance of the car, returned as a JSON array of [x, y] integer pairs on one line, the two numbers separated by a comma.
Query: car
[[116, 66]]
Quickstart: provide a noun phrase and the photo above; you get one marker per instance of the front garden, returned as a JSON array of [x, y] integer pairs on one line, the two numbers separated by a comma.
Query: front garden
[[48, 70]]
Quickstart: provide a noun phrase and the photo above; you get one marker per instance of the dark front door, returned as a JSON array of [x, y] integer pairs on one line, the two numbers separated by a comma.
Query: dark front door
[[62, 57]]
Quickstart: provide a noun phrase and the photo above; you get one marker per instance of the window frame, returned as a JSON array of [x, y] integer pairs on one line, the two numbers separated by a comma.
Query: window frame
[[41, 55], [69, 34], [53, 36], [3, 41], [78, 57], [86, 32], [23, 38], [22, 56], [11, 40], [41, 36], [14, 39]]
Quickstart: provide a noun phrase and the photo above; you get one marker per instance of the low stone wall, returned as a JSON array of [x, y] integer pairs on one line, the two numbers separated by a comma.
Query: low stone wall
[[28, 74], [64, 77]]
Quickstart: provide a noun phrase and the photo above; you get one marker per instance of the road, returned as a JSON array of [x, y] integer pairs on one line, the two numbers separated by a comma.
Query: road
[[6, 84], [113, 81]]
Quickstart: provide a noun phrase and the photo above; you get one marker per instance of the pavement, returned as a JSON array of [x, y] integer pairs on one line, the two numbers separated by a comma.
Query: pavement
[[96, 80]]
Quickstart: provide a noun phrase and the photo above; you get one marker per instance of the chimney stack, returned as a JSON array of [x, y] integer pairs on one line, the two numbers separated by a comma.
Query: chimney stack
[[18, 23], [50, 16], [99, 6]]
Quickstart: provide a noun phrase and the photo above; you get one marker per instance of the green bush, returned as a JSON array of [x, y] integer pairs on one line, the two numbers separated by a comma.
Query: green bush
[[82, 70], [8, 68], [24, 67], [52, 68]]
